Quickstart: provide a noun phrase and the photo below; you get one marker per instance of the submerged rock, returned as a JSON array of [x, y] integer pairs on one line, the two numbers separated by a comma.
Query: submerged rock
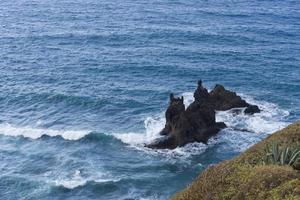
[[197, 123]]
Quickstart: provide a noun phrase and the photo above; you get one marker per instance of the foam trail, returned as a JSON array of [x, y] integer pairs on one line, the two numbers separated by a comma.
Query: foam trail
[[77, 180], [270, 119], [35, 133], [256, 127]]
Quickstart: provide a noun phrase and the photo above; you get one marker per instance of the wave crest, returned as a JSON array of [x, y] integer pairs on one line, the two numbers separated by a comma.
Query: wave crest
[[35, 133], [243, 130]]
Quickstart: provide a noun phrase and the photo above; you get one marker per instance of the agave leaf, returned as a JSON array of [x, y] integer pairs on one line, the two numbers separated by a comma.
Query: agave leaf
[[274, 154], [277, 152], [294, 157], [283, 156], [273, 159], [294, 151], [297, 162], [286, 156]]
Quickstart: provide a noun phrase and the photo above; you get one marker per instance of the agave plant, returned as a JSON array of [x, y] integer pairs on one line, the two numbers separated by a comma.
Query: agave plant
[[281, 156]]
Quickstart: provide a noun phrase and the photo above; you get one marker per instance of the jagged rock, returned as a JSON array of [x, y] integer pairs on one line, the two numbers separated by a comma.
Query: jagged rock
[[187, 126], [176, 107], [222, 99], [251, 109], [201, 94], [197, 123]]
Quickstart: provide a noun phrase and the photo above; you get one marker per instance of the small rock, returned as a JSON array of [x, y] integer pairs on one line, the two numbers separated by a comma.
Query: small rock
[[251, 109]]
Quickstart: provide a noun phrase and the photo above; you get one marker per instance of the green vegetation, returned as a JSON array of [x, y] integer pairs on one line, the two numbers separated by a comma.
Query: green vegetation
[[282, 156], [249, 176]]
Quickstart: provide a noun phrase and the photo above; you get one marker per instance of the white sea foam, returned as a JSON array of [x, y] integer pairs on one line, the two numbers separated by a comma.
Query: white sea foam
[[188, 98], [270, 119], [77, 180], [35, 133], [153, 125], [244, 130]]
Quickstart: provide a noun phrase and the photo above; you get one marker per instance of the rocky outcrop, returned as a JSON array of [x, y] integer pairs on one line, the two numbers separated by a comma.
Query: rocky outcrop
[[251, 109], [197, 123], [222, 99]]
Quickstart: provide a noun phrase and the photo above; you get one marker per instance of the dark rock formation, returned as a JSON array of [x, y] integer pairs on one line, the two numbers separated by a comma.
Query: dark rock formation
[[201, 94], [197, 123], [222, 99], [251, 109]]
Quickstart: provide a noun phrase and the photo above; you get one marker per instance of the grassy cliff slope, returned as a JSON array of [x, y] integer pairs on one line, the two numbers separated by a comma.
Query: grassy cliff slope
[[246, 177]]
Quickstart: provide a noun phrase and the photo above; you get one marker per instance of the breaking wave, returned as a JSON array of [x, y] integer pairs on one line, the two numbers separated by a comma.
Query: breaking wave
[[242, 132], [35, 133]]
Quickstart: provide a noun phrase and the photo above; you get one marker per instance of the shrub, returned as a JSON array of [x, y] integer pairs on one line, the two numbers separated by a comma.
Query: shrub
[[276, 155]]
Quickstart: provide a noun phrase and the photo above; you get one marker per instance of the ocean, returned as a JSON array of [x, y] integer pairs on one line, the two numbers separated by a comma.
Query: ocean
[[85, 83]]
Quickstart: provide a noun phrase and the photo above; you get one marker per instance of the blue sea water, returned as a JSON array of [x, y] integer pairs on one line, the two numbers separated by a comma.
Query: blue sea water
[[85, 83]]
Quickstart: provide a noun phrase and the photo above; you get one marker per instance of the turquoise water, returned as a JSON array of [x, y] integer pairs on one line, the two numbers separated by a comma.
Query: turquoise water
[[85, 83]]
